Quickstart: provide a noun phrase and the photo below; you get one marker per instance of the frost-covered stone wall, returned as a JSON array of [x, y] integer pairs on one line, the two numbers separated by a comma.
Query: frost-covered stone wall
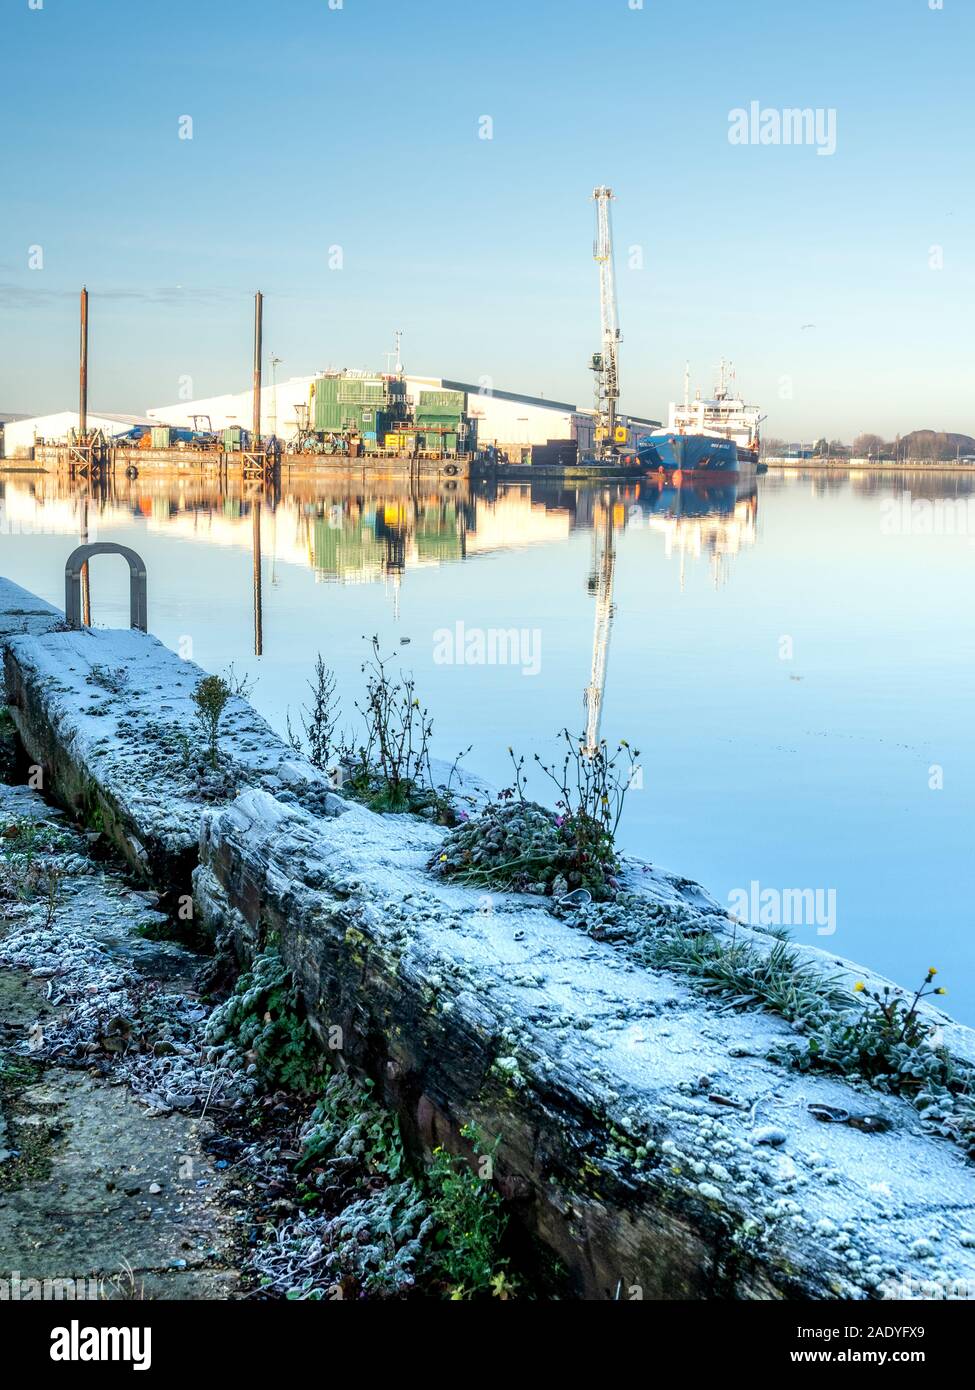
[[646, 1137], [108, 717]]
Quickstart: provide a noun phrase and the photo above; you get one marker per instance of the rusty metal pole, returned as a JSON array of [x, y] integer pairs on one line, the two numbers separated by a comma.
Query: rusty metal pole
[[258, 328], [82, 436], [83, 372]]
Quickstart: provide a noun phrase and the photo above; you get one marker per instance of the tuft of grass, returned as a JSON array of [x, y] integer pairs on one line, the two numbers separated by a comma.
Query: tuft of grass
[[747, 977], [112, 678]]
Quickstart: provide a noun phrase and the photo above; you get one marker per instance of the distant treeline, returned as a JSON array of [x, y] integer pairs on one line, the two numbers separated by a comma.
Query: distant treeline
[[932, 445]]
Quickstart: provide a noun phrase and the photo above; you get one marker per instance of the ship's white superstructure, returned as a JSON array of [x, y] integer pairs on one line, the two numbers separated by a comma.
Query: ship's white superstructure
[[723, 416]]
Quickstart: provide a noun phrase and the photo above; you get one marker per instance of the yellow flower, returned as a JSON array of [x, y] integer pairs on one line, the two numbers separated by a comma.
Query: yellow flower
[[859, 987], [931, 971], [941, 991], [443, 859]]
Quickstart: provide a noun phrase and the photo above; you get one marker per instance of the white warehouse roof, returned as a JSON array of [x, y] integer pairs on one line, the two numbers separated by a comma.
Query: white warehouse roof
[[501, 415], [19, 435]]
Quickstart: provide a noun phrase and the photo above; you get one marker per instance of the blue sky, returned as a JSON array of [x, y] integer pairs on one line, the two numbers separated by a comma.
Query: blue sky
[[358, 127]]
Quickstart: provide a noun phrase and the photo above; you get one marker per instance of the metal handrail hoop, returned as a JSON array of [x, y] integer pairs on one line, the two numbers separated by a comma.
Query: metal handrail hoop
[[138, 600]]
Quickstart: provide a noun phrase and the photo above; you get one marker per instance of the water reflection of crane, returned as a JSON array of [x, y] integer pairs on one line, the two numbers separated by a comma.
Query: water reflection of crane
[[600, 584]]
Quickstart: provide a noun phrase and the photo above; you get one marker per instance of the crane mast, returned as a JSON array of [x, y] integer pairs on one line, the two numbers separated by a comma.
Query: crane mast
[[605, 362]]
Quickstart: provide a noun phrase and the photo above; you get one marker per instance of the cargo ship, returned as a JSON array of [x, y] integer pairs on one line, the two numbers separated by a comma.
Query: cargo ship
[[687, 458], [724, 416], [690, 456]]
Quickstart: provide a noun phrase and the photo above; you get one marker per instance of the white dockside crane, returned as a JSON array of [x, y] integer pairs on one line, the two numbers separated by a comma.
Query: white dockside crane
[[605, 363]]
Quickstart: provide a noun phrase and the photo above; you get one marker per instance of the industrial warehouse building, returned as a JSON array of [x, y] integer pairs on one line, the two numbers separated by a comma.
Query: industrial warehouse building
[[512, 421], [21, 433]]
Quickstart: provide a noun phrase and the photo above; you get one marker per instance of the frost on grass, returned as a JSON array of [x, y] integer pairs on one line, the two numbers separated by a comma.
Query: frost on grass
[[86, 942], [370, 1224], [517, 843], [875, 1037], [382, 1225], [152, 734], [261, 1028]]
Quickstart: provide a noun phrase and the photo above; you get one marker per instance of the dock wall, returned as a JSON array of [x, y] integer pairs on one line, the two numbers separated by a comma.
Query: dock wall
[[597, 1078]]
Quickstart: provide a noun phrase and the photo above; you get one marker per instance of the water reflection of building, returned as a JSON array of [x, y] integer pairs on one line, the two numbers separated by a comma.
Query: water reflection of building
[[363, 538], [349, 531]]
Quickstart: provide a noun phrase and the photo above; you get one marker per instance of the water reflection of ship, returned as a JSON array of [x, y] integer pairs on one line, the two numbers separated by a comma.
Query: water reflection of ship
[[696, 521]]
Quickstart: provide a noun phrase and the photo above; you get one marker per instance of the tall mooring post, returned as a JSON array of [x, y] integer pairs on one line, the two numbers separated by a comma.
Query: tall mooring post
[[82, 435], [258, 330], [83, 368]]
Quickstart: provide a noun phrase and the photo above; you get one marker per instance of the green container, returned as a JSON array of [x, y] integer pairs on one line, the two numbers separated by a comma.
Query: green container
[[162, 436], [329, 415], [362, 391], [437, 402], [326, 388], [233, 438], [449, 420], [341, 403], [432, 441]]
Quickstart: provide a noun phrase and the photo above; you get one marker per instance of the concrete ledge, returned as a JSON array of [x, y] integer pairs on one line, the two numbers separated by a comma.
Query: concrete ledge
[[596, 1075], [22, 612], [108, 715]]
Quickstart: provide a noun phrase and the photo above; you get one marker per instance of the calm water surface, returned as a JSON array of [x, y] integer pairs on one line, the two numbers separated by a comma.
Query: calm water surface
[[794, 664]]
